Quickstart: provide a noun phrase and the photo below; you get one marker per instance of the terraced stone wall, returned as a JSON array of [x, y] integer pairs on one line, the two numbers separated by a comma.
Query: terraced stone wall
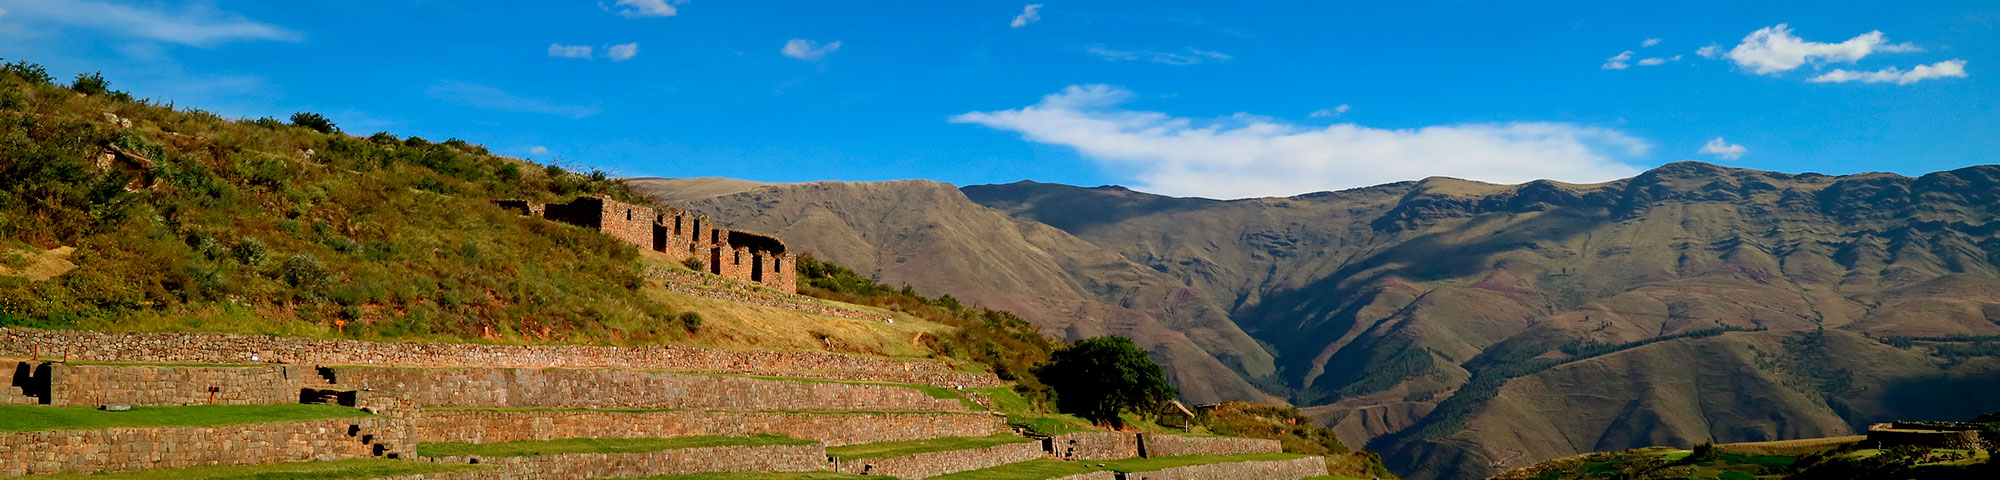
[[1093, 446], [605, 388], [1262, 470], [835, 429], [79, 345], [926, 465], [127, 449], [163, 385], [1164, 445], [765, 458]]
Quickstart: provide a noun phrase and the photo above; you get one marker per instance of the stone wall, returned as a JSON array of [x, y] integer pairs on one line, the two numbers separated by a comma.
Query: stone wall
[[1296, 469], [219, 348], [1883, 435], [1166, 445], [764, 458], [742, 256], [835, 429], [161, 385], [926, 465], [1093, 446], [1090, 476], [605, 388], [126, 449]]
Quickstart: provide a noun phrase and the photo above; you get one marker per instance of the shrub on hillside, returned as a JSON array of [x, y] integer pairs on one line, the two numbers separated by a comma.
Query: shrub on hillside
[[31, 72], [691, 322], [314, 121], [90, 84]]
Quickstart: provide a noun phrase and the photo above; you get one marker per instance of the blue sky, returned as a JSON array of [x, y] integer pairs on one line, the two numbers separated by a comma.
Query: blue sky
[[1185, 98]]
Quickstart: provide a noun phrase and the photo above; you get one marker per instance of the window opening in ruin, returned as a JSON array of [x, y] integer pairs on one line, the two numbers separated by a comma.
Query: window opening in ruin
[[628, 214], [756, 268], [696, 232], [677, 225], [736, 257], [774, 265]]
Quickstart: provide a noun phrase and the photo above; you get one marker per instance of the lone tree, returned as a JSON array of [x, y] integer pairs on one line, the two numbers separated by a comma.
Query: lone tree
[[1096, 378]]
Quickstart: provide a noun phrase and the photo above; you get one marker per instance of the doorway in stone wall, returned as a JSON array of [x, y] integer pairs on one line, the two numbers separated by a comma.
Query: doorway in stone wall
[[715, 260], [756, 268], [33, 380]]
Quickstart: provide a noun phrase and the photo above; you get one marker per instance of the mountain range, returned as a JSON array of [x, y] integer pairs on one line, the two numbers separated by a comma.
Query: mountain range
[[1459, 327]]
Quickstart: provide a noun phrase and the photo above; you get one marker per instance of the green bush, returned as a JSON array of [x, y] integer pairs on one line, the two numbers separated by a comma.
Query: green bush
[[314, 121], [691, 321], [251, 251], [90, 84], [31, 72]]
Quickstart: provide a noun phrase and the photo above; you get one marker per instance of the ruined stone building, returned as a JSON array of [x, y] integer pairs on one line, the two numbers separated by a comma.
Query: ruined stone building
[[743, 256]]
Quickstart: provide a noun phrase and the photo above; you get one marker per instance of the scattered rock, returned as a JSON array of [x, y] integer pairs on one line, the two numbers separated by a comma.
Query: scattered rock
[[115, 407]]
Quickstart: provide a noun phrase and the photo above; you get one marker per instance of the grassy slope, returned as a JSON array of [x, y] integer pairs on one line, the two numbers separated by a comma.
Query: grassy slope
[[1044, 468], [241, 231], [897, 449], [357, 468], [36, 418], [531, 448]]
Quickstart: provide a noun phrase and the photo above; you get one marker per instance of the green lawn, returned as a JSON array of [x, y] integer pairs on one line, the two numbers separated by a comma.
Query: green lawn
[[1040, 469], [1333, 477], [1037, 469], [897, 449], [333, 470], [36, 418], [770, 476], [530, 448]]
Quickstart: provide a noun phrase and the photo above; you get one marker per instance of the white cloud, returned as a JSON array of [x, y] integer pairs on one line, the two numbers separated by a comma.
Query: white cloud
[[481, 96], [1710, 51], [1030, 14], [1649, 42], [1191, 57], [1647, 62], [1720, 148], [569, 51], [198, 25], [1331, 112], [1947, 68], [1618, 62], [1771, 50], [645, 8], [803, 49], [620, 53], [538, 150], [1246, 155]]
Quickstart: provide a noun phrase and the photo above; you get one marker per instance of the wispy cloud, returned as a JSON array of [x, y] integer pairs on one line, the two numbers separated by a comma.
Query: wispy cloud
[[803, 49], [1723, 149], [1772, 50], [1248, 155], [1948, 68], [538, 150], [1649, 42], [644, 8], [1190, 56], [1620, 61], [1331, 112], [482, 96], [620, 53], [1030, 14], [569, 51], [196, 25]]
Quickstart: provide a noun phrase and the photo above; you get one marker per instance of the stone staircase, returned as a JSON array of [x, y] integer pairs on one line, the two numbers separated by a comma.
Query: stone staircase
[[375, 446], [319, 388]]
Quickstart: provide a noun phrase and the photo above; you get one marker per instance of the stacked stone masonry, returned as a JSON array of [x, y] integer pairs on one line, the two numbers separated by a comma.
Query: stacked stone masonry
[[1165, 445], [1927, 434], [1295, 469], [578, 466], [127, 449], [926, 465], [1092, 446], [738, 255], [216, 348], [162, 385], [834, 429], [604, 388]]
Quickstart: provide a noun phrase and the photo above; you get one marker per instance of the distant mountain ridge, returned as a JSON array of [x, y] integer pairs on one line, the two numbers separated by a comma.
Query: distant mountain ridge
[[1457, 325]]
